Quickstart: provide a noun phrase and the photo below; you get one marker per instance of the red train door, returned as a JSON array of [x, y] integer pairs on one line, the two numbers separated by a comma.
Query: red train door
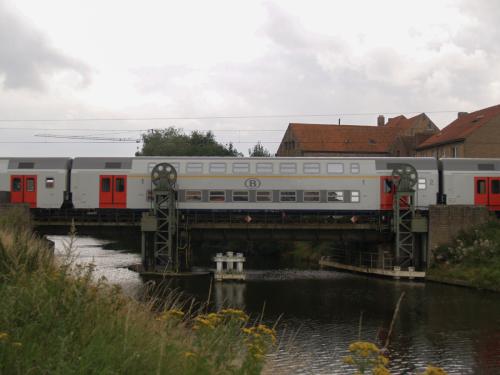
[[494, 196], [23, 190], [112, 191], [120, 191], [386, 193], [481, 191]]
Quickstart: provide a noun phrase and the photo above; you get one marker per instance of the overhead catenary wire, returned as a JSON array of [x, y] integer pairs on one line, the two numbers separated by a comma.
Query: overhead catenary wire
[[221, 117]]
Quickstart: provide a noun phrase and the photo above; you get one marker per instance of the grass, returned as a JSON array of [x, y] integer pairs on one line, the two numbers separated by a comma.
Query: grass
[[474, 258], [55, 319]]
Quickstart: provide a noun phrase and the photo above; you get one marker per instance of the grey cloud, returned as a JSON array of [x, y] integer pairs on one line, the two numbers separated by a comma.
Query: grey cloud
[[26, 58], [310, 73]]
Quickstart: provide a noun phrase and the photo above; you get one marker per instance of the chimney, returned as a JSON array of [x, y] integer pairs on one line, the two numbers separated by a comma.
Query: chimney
[[462, 114], [380, 120]]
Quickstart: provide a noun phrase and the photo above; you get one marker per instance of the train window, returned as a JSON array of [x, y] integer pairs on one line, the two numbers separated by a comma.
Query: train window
[[194, 168], [422, 184], [354, 168], [288, 168], [264, 168], [217, 196], [112, 165], [485, 167], [217, 168], [241, 167], [481, 187], [311, 168], [30, 184], [177, 166], [288, 196], [16, 184], [26, 165], [311, 196], [264, 196], [106, 185], [240, 196], [495, 186], [119, 184], [335, 168], [49, 182], [192, 196], [355, 196], [388, 185], [335, 196]]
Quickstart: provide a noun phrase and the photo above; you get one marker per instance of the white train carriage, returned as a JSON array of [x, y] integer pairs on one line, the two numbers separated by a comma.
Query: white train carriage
[[103, 183], [38, 182], [227, 183], [471, 182]]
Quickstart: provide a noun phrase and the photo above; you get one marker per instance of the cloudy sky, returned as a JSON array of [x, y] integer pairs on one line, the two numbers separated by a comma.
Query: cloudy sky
[[243, 69]]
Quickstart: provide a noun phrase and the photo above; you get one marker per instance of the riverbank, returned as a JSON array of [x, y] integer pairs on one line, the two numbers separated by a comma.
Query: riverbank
[[473, 259], [54, 318]]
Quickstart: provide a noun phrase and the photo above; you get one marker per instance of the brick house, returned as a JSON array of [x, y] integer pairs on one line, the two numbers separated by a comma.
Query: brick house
[[471, 135], [398, 137]]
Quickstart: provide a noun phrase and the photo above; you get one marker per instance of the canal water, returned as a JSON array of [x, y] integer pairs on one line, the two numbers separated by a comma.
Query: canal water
[[319, 313]]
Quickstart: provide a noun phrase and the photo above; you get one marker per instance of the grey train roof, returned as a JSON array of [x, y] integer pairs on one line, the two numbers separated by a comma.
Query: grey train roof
[[39, 163]]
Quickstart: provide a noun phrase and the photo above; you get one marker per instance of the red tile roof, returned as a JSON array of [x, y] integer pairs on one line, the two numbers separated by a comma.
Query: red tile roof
[[343, 138], [462, 127]]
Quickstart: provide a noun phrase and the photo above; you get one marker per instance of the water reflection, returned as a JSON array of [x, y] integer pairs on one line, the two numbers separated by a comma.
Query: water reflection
[[456, 328], [229, 294]]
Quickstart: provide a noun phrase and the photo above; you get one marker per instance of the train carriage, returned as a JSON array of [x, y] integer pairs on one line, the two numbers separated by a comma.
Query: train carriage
[[37, 182], [471, 182], [225, 183]]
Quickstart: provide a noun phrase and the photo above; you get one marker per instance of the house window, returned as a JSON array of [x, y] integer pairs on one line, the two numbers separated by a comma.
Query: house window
[[241, 167], [454, 152], [354, 168], [288, 196], [264, 168], [193, 196], [264, 196], [217, 167], [335, 168], [335, 196], [311, 196], [49, 182], [240, 196], [311, 168], [290, 168], [194, 168], [217, 196], [355, 196], [422, 184]]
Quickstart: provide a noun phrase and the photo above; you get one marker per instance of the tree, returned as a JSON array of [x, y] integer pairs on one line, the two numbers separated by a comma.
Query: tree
[[174, 142], [258, 150]]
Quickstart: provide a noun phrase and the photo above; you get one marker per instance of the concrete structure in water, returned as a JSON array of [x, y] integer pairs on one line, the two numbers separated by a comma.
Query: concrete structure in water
[[226, 269]]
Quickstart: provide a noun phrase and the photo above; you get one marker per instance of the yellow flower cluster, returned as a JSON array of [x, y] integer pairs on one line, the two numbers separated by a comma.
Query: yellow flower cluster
[[366, 356], [171, 314], [235, 313], [207, 321], [259, 338], [431, 370]]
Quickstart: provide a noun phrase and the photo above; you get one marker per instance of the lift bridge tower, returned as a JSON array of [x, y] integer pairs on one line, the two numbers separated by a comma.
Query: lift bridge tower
[[409, 227], [161, 243]]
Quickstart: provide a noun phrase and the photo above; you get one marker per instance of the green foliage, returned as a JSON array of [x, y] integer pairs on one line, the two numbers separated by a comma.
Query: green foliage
[[173, 142], [258, 150], [474, 257], [56, 319]]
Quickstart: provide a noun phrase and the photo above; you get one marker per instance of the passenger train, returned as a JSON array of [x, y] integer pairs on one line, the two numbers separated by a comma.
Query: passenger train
[[326, 184]]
